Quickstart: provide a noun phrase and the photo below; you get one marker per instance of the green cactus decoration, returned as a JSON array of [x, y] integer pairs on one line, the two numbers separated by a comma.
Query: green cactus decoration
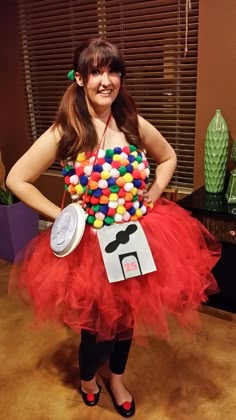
[[216, 153]]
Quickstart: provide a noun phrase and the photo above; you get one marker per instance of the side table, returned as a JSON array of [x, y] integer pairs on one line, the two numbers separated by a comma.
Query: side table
[[219, 217]]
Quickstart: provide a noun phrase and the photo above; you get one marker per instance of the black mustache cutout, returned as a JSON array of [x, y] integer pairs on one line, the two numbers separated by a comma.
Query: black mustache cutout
[[122, 237]]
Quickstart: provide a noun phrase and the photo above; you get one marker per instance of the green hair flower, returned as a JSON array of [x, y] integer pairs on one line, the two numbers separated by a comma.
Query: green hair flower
[[71, 75]]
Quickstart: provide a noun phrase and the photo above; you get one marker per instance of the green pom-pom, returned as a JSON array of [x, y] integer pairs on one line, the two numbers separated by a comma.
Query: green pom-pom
[[109, 153], [68, 168], [109, 220], [135, 197], [132, 148], [114, 188], [122, 170], [96, 208], [90, 220], [66, 187], [90, 192], [71, 75], [139, 159]]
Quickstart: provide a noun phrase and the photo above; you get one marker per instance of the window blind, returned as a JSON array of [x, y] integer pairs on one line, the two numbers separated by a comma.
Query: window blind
[[152, 37]]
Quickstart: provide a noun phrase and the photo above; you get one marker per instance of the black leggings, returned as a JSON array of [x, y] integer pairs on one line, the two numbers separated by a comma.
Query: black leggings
[[93, 354]]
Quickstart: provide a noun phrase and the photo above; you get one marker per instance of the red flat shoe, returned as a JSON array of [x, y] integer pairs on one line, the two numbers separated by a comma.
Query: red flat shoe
[[89, 398]]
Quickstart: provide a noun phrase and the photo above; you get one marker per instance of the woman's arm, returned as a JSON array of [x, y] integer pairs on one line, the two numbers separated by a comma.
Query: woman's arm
[[162, 152], [29, 167]]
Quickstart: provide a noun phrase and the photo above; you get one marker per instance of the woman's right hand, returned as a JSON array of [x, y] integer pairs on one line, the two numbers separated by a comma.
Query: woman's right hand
[[27, 170]]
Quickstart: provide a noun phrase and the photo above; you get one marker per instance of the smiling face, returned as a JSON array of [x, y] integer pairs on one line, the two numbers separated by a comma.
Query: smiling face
[[101, 88], [99, 70]]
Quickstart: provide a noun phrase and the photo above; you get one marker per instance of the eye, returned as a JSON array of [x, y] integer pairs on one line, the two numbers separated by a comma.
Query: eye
[[115, 71], [95, 72]]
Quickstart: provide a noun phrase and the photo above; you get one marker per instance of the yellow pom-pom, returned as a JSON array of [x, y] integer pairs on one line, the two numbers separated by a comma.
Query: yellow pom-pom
[[116, 157], [138, 213], [79, 189], [113, 197], [128, 177], [120, 209], [135, 154], [134, 190], [98, 224], [80, 157], [105, 174], [135, 164]]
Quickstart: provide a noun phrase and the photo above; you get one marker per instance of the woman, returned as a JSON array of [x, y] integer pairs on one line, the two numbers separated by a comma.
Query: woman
[[102, 144]]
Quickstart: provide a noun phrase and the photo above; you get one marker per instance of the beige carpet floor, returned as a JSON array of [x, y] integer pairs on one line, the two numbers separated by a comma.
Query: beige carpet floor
[[178, 380]]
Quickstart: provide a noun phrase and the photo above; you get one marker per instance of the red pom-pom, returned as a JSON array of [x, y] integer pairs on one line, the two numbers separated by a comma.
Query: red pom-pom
[[111, 212], [79, 170], [126, 150], [126, 405], [128, 205], [115, 164], [91, 212], [121, 193], [67, 180], [106, 191], [100, 161], [90, 397], [136, 174], [95, 176], [94, 200]]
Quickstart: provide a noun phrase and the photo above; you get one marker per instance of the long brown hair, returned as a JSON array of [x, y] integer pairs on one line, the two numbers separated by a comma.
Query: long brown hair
[[74, 120]]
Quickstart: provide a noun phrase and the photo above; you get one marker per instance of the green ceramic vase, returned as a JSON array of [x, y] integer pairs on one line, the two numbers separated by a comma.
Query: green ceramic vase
[[216, 153]]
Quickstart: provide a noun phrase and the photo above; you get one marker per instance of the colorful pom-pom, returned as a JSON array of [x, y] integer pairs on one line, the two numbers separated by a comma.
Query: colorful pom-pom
[[122, 170], [79, 189], [104, 199], [102, 183], [101, 153], [74, 179], [100, 216], [118, 218], [90, 219], [126, 216], [116, 183], [120, 209], [120, 182], [98, 224], [80, 157], [128, 178], [105, 174], [128, 186], [83, 180], [116, 157], [113, 197], [109, 220], [109, 153]]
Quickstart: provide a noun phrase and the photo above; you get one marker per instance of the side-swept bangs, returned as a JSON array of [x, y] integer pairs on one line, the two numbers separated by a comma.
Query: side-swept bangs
[[98, 53]]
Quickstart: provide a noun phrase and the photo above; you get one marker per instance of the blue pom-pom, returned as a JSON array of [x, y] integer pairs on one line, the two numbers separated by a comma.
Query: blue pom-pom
[[104, 208], [97, 193], [117, 150], [111, 181], [108, 159], [131, 158], [137, 183], [71, 172], [129, 168], [64, 172], [132, 211], [97, 168], [83, 180]]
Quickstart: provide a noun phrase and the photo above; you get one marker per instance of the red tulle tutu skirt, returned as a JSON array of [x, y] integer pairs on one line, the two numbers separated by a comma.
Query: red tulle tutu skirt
[[75, 291]]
